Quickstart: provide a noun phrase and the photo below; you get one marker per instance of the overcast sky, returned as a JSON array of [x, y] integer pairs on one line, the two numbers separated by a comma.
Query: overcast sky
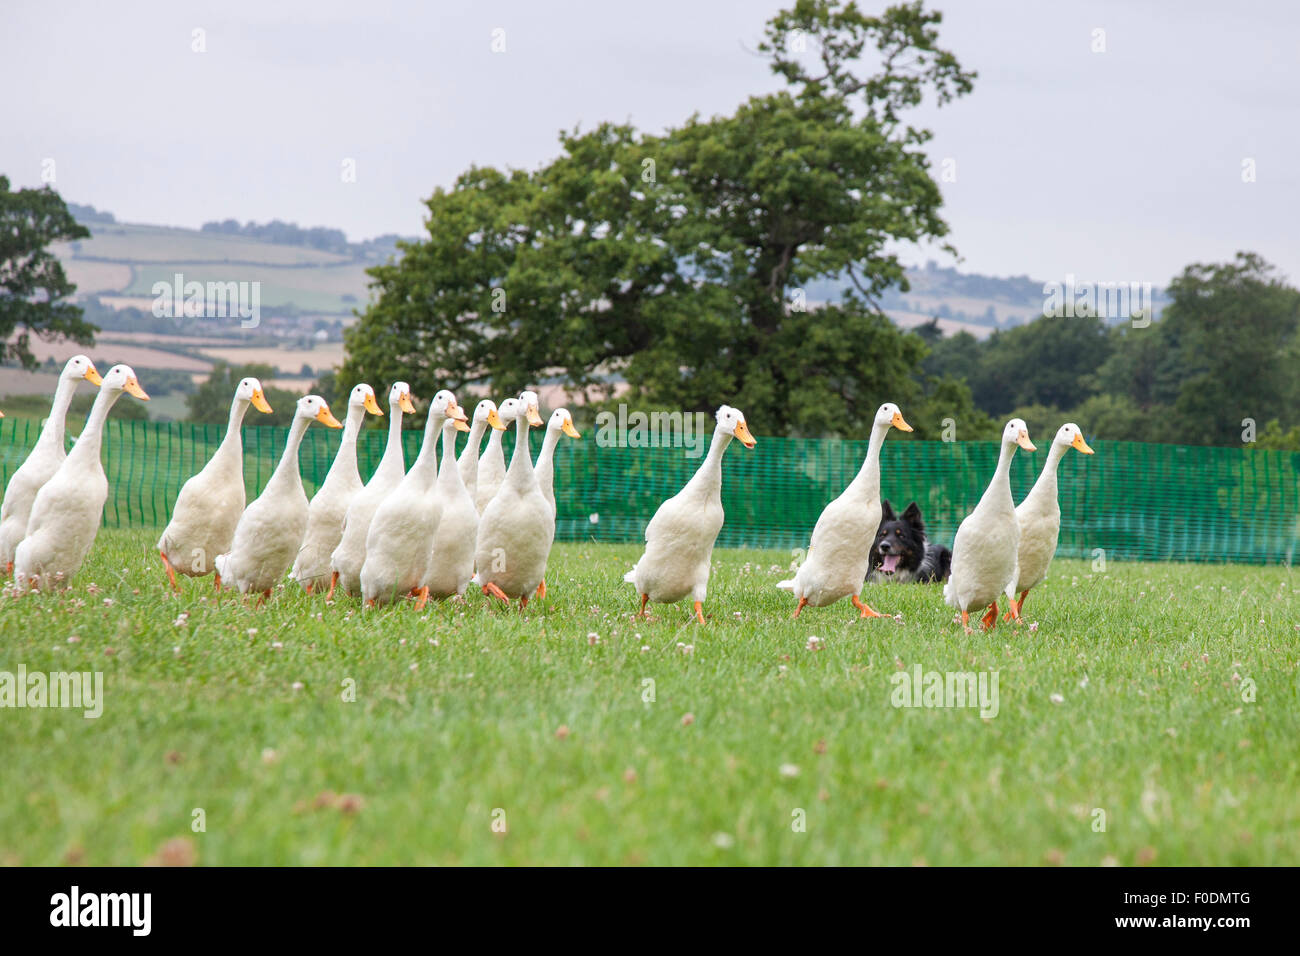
[[1117, 166]]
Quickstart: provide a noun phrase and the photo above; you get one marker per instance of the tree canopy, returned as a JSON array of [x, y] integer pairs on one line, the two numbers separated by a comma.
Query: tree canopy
[[676, 263], [33, 285]]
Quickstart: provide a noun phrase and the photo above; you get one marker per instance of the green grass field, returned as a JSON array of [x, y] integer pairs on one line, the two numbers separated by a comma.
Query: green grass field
[[1164, 695]]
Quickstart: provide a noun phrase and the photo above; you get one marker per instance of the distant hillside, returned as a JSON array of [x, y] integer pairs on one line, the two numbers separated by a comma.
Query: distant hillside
[[301, 271]]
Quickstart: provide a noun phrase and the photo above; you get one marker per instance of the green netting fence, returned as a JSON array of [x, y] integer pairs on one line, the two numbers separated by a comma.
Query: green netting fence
[[1136, 501]]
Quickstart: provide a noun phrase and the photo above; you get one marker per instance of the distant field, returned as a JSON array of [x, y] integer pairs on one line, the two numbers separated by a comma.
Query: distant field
[[166, 244], [107, 352], [142, 255], [288, 361]]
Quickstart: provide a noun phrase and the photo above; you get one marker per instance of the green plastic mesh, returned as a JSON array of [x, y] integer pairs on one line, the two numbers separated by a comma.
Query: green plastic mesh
[[1135, 501]]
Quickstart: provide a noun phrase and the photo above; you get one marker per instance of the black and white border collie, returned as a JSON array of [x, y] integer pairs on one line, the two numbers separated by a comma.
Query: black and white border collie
[[901, 551]]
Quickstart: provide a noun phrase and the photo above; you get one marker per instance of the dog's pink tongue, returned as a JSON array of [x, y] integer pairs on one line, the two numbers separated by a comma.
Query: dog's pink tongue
[[889, 563]]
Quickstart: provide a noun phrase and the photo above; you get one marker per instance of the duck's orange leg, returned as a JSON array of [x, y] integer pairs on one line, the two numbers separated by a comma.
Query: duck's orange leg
[[421, 598], [802, 601], [990, 619], [216, 580], [171, 574], [523, 601], [644, 598], [541, 589], [866, 611], [699, 611], [1015, 607], [496, 592], [965, 621], [334, 582], [308, 588]]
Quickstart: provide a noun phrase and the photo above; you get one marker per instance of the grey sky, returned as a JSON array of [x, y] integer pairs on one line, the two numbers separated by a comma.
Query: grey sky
[[1122, 166]]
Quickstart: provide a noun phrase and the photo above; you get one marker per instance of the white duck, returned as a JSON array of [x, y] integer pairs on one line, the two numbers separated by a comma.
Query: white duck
[[208, 507], [984, 551], [485, 416], [491, 471], [515, 531], [1039, 519], [67, 510], [451, 566], [560, 423], [350, 555], [271, 527], [43, 461], [679, 538], [839, 554], [400, 539], [329, 506]]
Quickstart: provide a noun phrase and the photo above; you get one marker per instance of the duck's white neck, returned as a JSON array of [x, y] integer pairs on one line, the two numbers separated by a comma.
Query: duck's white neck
[[352, 427], [449, 471], [521, 459], [470, 455], [708, 479], [494, 441], [866, 484], [1000, 487], [92, 436], [232, 443], [56, 426], [425, 468], [393, 456], [1046, 483], [287, 469]]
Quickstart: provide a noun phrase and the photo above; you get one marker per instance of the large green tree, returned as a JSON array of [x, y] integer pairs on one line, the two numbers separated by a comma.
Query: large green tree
[[33, 285], [677, 263]]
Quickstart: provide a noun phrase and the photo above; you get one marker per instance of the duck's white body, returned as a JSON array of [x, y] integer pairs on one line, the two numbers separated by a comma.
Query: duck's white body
[[400, 540], [329, 506], [271, 528], [451, 565], [985, 550], [44, 460], [679, 538], [66, 513], [516, 528], [839, 554], [348, 558], [491, 471], [209, 505], [1038, 517]]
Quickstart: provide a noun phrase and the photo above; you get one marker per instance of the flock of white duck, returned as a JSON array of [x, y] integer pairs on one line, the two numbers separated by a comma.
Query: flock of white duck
[[435, 529]]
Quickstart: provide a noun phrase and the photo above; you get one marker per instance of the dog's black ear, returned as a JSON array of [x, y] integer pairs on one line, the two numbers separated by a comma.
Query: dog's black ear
[[913, 516], [887, 511]]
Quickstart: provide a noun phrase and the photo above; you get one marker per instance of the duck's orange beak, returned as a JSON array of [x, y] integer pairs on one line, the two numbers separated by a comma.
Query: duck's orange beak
[[742, 432], [133, 388], [260, 402], [405, 403], [569, 430], [534, 417], [372, 406], [454, 411], [93, 377], [1080, 444], [325, 418], [1023, 441], [899, 423], [495, 421]]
